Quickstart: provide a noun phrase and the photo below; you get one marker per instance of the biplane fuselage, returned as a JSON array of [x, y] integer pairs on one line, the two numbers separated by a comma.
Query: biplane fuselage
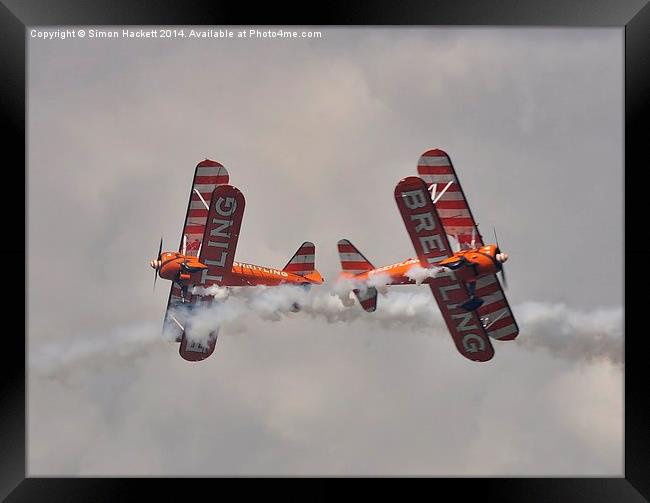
[[185, 270], [468, 265], [250, 274]]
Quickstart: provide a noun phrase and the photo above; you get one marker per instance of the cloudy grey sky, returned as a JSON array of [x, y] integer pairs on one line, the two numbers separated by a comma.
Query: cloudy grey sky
[[316, 133]]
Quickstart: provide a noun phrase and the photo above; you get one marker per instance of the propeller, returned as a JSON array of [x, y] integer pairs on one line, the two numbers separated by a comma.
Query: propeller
[[157, 265], [504, 257], [503, 277]]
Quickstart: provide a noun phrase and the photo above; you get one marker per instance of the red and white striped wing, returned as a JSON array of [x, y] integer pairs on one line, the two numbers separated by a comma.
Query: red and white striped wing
[[207, 175], [495, 312], [218, 253], [431, 245], [436, 169], [221, 236], [422, 221]]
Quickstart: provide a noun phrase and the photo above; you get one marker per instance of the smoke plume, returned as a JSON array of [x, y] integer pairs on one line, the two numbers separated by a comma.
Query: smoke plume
[[556, 328], [418, 273]]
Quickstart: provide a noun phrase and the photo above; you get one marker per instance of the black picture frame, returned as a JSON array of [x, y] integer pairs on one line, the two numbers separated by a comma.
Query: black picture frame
[[632, 15]]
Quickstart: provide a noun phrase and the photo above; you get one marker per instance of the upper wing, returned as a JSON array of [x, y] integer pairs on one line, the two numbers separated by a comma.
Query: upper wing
[[436, 169], [207, 175], [221, 235], [422, 221], [431, 245]]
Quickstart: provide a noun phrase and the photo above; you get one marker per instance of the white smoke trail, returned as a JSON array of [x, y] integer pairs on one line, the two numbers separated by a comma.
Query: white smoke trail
[[378, 280], [121, 342], [557, 328], [568, 333], [345, 284], [218, 292], [418, 273], [562, 331]]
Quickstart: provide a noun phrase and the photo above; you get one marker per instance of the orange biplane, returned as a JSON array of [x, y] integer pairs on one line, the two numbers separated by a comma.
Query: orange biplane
[[206, 257], [462, 278]]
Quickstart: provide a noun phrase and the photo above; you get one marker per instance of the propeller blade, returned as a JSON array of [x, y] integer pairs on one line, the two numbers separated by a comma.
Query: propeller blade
[[503, 267], [155, 271], [184, 244]]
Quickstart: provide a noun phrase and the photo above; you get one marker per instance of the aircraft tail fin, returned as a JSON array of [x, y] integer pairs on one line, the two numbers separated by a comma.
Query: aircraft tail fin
[[303, 263], [352, 260]]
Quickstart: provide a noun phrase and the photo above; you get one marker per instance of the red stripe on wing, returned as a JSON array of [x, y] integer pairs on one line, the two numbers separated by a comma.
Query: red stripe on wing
[[457, 222], [434, 170], [212, 179]]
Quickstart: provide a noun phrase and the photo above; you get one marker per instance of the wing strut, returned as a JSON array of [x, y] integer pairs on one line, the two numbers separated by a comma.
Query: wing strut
[[202, 200], [503, 313], [176, 321]]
